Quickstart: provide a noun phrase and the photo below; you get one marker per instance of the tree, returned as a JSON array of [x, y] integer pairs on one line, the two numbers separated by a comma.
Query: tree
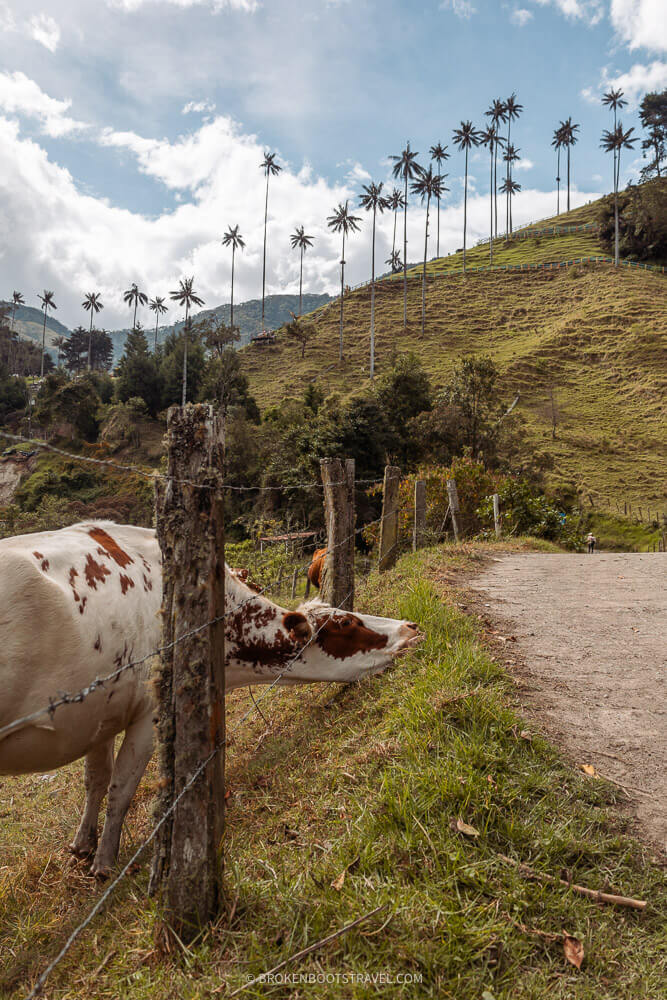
[[497, 113], [487, 137], [216, 334], [17, 300], [271, 169], [509, 188], [405, 166], [615, 141], [614, 99], [393, 261], [472, 388], [233, 239], [372, 200], [300, 241], [653, 116], [464, 138], [225, 385], [47, 303], [396, 201], [510, 156], [93, 305], [137, 373], [133, 297], [171, 363], [342, 222], [568, 130], [75, 402], [185, 296], [297, 330], [59, 343], [557, 143], [403, 393], [428, 185], [642, 222], [512, 109], [82, 344], [439, 154], [157, 306]]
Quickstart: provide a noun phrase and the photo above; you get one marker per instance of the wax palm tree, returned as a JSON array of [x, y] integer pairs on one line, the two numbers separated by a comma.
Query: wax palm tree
[[498, 114], [557, 143], [185, 296], [569, 130], [92, 304], [233, 239], [428, 185], [372, 200], [47, 303], [17, 300], [271, 169], [157, 306], [614, 99], [133, 297], [405, 166], [510, 156], [513, 110], [466, 137], [488, 137], [394, 261], [439, 154], [509, 188], [342, 222], [614, 141], [301, 242], [396, 201]]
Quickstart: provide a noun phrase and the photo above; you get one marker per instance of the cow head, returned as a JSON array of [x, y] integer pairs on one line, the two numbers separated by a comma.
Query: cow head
[[313, 643]]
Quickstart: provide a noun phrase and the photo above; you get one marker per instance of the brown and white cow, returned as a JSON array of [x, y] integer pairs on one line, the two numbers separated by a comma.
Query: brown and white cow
[[316, 567], [78, 603]]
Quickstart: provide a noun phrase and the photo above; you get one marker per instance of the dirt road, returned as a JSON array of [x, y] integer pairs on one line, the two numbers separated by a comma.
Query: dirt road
[[592, 651]]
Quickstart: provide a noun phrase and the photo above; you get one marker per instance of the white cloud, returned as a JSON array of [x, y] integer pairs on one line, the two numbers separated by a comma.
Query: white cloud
[[520, 16], [641, 23], [45, 30], [524, 164], [7, 22], [640, 79], [197, 107], [217, 5], [462, 8], [21, 95], [591, 11]]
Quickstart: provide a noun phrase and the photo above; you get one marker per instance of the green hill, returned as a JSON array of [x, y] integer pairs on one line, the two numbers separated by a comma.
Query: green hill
[[597, 334], [29, 323]]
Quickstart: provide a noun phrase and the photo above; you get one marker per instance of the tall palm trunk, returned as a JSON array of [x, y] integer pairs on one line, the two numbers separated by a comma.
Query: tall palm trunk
[[508, 174], [41, 372], [428, 202], [568, 176], [231, 304], [465, 212], [495, 189], [558, 183], [11, 340], [405, 255], [617, 173], [157, 320], [134, 321], [266, 218], [491, 200], [185, 356], [301, 283], [393, 243], [90, 341], [437, 252], [372, 364], [342, 296]]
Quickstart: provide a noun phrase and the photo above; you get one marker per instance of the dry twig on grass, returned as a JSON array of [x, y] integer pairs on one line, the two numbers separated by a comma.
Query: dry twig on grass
[[581, 890]]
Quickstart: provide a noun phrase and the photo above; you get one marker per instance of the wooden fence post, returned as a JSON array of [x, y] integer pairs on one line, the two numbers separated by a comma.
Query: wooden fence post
[[337, 585], [389, 523], [497, 520], [190, 682], [419, 528], [454, 507]]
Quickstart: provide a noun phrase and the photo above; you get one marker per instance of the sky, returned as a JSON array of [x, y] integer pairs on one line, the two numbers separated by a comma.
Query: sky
[[132, 131]]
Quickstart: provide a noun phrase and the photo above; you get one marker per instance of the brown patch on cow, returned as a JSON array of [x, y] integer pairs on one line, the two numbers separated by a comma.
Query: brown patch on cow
[[346, 635], [72, 576], [82, 605], [98, 644], [316, 567], [147, 583], [95, 572], [111, 547], [125, 583], [297, 625], [44, 562], [147, 565], [263, 653]]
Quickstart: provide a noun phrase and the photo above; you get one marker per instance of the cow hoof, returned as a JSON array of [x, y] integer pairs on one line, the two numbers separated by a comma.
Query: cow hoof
[[82, 851], [101, 872]]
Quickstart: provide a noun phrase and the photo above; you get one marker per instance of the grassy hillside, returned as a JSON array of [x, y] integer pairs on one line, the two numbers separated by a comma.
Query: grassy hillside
[[29, 323], [596, 333]]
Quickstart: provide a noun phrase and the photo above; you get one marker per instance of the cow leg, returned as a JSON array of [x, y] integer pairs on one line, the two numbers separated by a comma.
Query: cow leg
[[130, 765], [99, 763]]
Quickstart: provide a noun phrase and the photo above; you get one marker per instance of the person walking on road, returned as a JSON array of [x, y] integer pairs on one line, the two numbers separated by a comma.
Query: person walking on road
[[591, 541]]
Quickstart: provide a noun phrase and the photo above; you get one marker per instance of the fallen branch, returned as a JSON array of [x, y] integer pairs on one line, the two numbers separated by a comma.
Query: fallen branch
[[308, 950], [599, 897], [457, 697]]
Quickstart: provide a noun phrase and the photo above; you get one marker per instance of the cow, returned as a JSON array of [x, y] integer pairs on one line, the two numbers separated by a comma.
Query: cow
[[83, 602], [316, 567]]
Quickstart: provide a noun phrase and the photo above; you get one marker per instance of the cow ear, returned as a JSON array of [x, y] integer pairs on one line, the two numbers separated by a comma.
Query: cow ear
[[298, 626]]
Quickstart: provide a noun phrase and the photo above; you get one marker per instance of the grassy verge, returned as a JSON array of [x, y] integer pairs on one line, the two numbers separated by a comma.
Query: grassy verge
[[348, 802], [620, 534]]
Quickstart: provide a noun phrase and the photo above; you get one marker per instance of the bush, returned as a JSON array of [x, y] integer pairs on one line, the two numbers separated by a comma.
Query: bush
[[526, 513]]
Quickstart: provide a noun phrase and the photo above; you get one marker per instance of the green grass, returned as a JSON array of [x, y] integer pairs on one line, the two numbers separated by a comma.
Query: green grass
[[622, 534], [597, 333], [369, 780]]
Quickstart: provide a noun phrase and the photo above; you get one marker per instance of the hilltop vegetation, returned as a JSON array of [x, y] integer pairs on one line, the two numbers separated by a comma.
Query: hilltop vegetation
[[584, 346]]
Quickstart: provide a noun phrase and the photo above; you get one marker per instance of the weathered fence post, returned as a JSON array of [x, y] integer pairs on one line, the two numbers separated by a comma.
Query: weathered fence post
[[295, 577], [420, 515], [337, 585], [497, 519], [389, 523], [190, 683], [454, 507]]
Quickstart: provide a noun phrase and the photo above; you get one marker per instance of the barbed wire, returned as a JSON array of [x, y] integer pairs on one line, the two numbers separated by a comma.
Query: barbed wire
[[79, 929], [68, 698]]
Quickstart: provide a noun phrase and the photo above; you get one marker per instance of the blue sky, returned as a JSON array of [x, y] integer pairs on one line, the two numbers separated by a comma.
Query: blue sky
[[131, 130]]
